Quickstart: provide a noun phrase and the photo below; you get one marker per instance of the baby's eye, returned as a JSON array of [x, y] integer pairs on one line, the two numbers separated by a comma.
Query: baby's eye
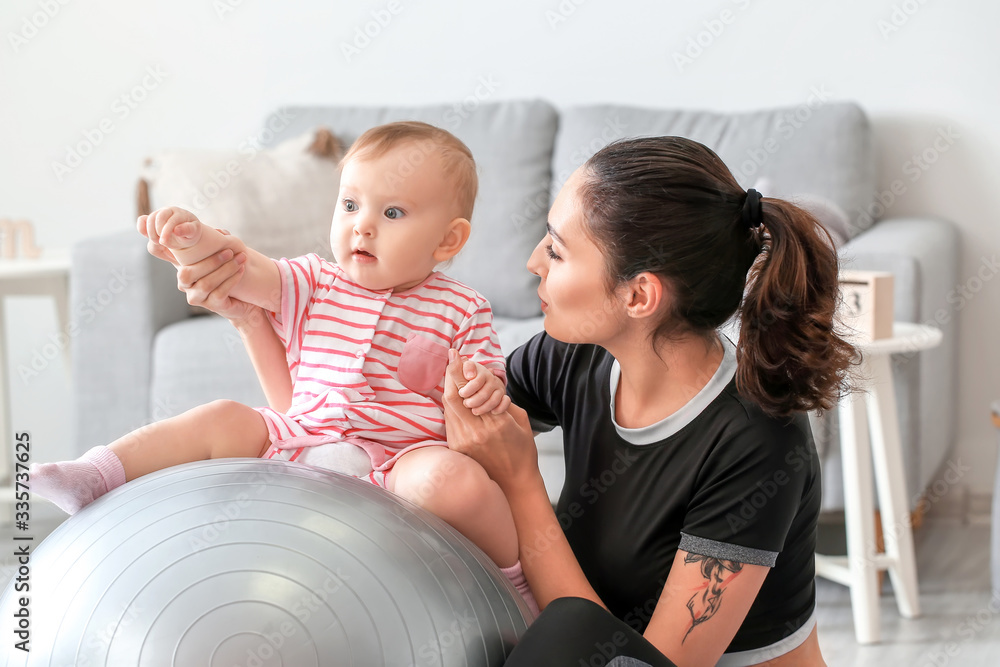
[[393, 213], [350, 206], [551, 253]]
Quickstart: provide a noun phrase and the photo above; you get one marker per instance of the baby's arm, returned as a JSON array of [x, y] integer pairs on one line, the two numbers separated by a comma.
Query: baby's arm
[[267, 353], [478, 345], [191, 241]]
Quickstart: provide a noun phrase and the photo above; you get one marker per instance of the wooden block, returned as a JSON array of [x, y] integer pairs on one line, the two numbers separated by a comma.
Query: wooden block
[[866, 306]]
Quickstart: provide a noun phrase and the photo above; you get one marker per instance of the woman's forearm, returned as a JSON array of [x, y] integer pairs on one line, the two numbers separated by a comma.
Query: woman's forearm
[[267, 353], [546, 557]]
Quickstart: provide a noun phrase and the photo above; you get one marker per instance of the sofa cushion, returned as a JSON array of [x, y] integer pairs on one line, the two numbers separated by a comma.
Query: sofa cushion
[[279, 201], [822, 150], [512, 143], [198, 360]]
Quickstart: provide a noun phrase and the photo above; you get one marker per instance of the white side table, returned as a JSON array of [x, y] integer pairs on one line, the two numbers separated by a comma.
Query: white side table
[[871, 411], [47, 275]]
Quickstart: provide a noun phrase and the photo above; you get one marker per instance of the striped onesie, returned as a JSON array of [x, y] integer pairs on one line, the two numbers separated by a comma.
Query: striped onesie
[[368, 366]]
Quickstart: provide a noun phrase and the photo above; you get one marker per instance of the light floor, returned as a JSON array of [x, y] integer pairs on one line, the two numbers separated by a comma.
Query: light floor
[[959, 627]]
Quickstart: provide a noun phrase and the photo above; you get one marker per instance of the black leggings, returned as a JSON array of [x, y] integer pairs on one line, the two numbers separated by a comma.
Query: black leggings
[[574, 632]]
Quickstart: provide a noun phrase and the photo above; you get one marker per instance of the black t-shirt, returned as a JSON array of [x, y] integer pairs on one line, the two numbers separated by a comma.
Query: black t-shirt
[[718, 478]]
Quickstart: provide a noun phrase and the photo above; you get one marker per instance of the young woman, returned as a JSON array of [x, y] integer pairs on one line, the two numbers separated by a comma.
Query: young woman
[[685, 532]]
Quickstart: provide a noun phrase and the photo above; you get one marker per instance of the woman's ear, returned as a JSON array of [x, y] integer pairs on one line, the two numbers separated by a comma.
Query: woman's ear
[[454, 239], [645, 295]]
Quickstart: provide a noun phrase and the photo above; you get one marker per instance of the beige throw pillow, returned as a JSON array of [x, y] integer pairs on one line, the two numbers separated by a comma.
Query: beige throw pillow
[[279, 201]]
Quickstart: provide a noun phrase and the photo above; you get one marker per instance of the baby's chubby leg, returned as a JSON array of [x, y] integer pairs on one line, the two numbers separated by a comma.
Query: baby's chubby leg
[[216, 430], [219, 429], [188, 238], [457, 489]]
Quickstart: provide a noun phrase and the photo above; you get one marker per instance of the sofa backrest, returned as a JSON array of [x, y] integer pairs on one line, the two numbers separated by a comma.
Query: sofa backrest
[[512, 143], [819, 150]]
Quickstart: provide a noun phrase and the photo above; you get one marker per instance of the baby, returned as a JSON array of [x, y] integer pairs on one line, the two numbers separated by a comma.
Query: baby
[[367, 342]]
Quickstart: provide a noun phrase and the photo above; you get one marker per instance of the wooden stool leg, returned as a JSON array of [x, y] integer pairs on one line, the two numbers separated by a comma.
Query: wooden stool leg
[[879, 546]]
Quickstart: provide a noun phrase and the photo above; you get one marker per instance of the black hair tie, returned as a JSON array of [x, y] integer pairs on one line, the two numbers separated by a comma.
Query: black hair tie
[[751, 213]]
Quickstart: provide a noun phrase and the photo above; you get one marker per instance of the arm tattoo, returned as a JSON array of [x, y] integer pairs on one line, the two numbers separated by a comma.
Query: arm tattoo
[[708, 597]]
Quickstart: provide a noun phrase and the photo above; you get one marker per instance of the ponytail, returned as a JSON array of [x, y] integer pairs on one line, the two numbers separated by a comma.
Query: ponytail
[[790, 357]]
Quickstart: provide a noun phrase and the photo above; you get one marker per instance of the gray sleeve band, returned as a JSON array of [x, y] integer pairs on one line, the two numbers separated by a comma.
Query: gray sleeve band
[[725, 551]]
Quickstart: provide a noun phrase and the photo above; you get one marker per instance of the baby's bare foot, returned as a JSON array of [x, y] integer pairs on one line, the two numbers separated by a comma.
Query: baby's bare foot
[[184, 235]]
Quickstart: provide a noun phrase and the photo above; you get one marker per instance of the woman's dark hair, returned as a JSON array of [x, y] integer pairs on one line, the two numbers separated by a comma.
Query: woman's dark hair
[[670, 206]]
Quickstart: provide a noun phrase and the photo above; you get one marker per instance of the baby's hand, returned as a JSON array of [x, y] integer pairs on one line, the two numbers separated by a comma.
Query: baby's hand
[[171, 227], [484, 392]]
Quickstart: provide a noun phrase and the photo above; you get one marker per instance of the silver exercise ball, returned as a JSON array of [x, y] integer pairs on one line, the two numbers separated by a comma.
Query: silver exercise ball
[[261, 564]]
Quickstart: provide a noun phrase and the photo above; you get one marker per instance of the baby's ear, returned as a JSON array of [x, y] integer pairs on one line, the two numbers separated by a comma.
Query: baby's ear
[[454, 239]]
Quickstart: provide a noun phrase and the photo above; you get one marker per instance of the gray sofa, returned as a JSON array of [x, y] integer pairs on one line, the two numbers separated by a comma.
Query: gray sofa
[[144, 356]]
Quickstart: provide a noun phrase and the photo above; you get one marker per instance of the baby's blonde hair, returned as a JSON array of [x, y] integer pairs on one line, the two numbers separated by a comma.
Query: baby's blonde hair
[[456, 156]]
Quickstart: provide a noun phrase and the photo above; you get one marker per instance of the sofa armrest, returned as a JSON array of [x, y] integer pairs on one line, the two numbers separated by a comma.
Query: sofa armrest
[[120, 297], [923, 255]]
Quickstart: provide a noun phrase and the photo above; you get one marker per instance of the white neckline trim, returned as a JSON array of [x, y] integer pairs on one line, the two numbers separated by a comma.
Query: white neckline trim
[[668, 426]]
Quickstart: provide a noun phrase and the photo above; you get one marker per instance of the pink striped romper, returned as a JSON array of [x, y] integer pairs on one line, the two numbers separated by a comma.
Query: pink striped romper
[[368, 367]]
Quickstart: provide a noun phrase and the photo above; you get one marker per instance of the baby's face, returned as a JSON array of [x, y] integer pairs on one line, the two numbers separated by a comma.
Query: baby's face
[[392, 213]]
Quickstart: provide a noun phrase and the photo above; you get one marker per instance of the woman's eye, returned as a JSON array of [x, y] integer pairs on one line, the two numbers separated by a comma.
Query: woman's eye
[[350, 206], [393, 213], [551, 253]]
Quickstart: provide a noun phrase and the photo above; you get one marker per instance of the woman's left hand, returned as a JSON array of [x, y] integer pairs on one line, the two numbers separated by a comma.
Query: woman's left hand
[[503, 444]]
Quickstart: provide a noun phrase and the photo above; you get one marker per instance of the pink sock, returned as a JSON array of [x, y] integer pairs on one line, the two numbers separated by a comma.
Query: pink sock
[[516, 576], [72, 485]]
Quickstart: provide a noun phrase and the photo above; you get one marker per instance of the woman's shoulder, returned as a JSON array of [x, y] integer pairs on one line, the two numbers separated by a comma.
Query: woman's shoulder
[[747, 432]]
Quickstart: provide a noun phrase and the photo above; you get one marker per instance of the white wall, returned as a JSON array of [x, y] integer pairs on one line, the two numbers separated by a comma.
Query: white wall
[[222, 71]]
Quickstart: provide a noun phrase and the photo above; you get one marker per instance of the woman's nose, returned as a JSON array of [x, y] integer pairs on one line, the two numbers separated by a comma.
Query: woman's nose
[[535, 262]]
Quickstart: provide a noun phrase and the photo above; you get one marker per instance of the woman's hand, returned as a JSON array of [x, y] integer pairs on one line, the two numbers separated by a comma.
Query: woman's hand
[[502, 444], [208, 283]]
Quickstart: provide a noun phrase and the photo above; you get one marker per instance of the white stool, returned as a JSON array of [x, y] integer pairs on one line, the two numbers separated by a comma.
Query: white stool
[[871, 411]]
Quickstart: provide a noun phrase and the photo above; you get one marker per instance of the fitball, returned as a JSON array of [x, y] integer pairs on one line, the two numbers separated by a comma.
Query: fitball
[[260, 563]]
